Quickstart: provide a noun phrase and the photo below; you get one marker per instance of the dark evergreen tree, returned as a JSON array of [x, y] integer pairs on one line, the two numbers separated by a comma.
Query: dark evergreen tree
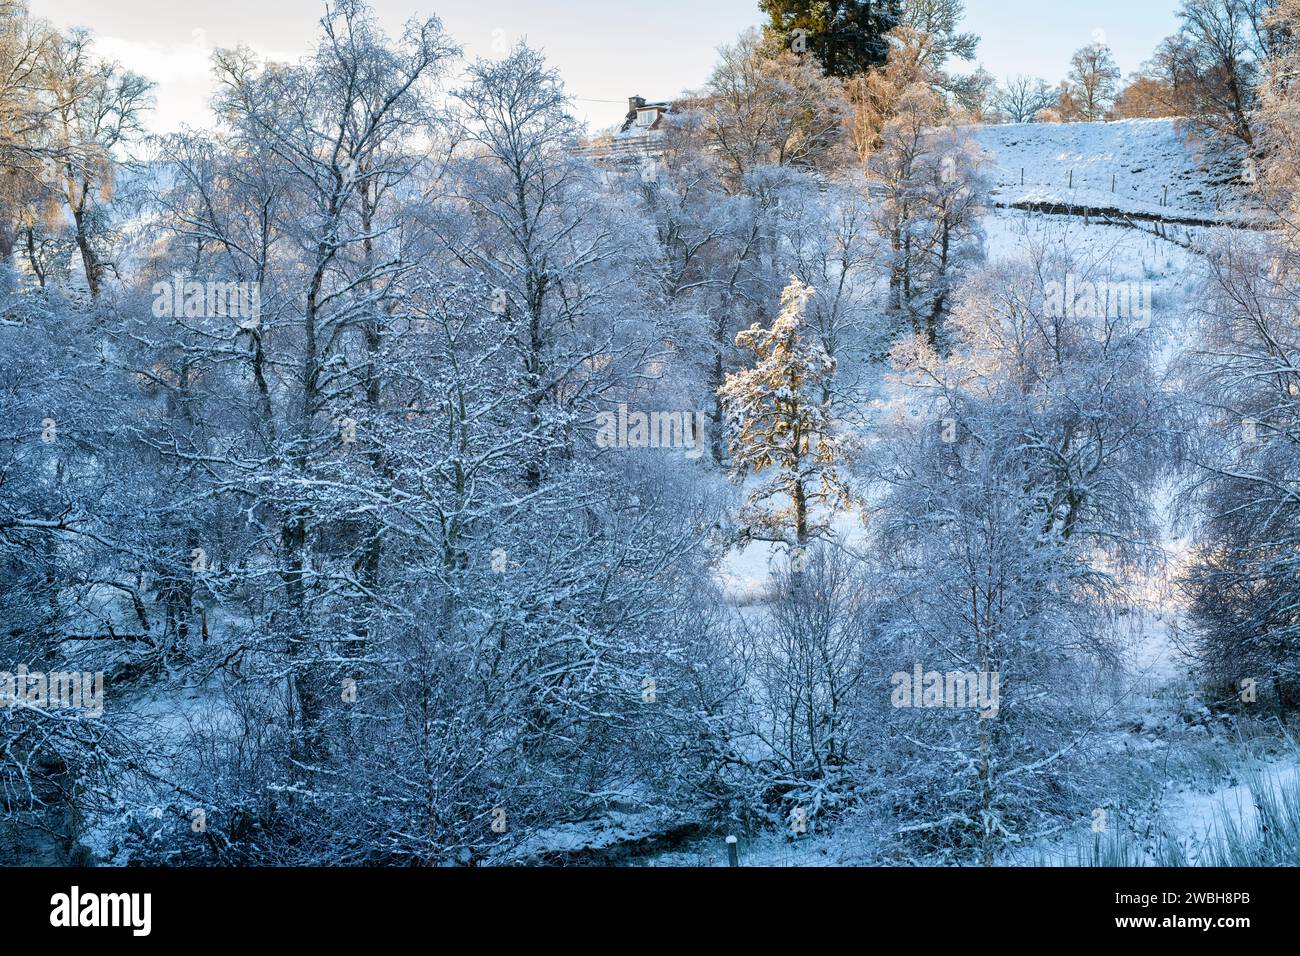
[[848, 36]]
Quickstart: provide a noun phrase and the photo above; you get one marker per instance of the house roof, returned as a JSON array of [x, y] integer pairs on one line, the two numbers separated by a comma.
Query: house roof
[[636, 104]]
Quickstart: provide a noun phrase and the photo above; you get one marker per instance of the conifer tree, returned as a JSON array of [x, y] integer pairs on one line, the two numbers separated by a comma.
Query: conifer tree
[[782, 430], [848, 36]]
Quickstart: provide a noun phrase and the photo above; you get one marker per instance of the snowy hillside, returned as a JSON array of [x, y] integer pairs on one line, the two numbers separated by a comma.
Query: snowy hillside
[[1125, 166]]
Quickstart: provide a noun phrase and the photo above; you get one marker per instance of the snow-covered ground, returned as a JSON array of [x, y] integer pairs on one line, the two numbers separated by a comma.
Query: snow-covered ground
[[1138, 166]]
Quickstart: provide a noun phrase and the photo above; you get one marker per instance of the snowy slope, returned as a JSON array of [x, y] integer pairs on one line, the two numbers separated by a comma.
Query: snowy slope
[[1124, 165]]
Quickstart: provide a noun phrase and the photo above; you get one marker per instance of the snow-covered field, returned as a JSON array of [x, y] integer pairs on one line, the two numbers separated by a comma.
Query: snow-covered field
[[1145, 167]]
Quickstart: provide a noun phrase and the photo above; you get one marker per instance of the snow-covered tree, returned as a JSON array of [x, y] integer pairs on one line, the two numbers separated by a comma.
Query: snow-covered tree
[[930, 191], [760, 110], [96, 111], [1010, 486], [1246, 388], [1242, 579], [782, 431], [835, 252], [1278, 119]]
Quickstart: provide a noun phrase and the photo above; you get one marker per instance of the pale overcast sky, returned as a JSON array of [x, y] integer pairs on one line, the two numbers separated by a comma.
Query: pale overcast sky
[[605, 49]]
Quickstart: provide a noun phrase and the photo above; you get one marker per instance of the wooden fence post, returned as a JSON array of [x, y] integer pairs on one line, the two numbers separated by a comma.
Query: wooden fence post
[[733, 855]]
